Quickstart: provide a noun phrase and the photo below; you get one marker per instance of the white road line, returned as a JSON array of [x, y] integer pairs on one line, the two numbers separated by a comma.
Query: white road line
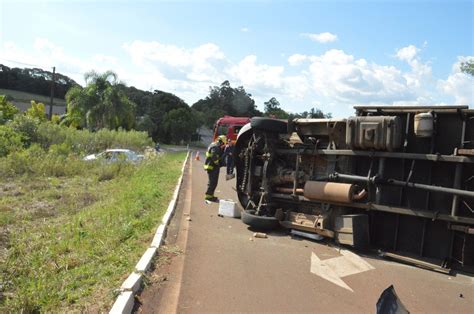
[[334, 269]]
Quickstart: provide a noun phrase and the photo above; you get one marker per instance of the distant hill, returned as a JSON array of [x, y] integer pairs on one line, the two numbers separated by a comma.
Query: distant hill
[[34, 80]]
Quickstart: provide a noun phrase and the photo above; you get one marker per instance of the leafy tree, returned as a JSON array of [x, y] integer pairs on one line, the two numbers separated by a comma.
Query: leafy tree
[[7, 109], [272, 109], [101, 104], [36, 111], [179, 125], [151, 108], [313, 114], [146, 124], [226, 100], [468, 67], [161, 104]]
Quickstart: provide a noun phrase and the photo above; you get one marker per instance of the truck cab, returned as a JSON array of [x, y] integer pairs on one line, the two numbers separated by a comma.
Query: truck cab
[[229, 126]]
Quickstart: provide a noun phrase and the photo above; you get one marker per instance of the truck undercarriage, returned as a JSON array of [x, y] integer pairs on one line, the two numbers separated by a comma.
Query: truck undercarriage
[[399, 179]]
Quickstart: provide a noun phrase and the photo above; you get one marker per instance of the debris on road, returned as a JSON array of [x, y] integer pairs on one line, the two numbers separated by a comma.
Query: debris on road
[[390, 303], [308, 235], [228, 208], [260, 235], [188, 219]]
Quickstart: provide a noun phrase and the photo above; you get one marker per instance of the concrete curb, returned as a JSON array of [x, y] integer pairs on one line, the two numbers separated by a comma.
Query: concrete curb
[[126, 299]]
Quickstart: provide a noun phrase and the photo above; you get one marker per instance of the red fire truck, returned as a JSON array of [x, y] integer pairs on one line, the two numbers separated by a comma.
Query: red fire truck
[[229, 126]]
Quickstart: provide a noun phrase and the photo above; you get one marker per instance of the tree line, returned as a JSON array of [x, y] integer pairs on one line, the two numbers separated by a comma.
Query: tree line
[[106, 102], [34, 80]]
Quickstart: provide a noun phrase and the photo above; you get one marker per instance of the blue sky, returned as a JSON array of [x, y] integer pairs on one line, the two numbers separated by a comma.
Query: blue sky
[[325, 54]]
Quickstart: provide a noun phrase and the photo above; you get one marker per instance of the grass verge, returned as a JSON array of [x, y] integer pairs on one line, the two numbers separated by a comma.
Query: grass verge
[[70, 256]]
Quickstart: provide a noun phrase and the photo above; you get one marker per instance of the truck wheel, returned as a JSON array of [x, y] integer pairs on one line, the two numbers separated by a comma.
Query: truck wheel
[[267, 124], [259, 222]]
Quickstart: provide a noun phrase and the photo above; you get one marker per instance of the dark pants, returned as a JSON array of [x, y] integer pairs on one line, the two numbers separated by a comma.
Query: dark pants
[[212, 182], [230, 164]]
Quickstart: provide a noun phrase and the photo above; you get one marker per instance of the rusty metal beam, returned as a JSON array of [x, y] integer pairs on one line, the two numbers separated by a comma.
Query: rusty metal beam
[[362, 153], [383, 208], [416, 262], [460, 228], [291, 225], [465, 152]]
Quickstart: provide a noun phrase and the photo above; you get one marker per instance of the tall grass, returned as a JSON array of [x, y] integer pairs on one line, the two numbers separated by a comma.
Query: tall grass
[[83, 141], [47, 134], [73, 261], [57, 162]]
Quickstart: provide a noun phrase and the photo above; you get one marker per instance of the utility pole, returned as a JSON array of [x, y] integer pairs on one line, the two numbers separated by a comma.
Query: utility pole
[[52, 94]]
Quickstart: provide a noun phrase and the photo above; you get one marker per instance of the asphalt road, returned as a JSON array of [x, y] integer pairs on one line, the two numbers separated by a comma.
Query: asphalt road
[[218, 266]]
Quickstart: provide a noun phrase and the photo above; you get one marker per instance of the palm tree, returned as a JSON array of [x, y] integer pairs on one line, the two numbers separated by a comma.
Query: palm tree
[[101, 104]]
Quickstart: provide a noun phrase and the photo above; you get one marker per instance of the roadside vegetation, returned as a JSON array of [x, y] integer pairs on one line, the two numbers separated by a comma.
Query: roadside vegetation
[[72, 230], [106, 102]]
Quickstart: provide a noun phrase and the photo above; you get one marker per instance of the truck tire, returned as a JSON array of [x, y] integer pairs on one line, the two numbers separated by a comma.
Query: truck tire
[[259, 222], [267, 124]]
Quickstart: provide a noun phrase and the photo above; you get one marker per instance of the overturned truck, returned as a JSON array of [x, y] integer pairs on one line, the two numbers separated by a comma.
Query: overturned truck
[[395, 178]]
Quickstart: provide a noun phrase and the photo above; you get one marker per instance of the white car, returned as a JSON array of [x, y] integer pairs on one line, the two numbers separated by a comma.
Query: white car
[[113, 155]]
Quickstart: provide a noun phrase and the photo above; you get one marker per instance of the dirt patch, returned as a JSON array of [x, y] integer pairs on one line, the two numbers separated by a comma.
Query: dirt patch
[[10, 189], [165, 257], [41, 209], [4, 240], [77, 201], [38, 185], [158, 276]]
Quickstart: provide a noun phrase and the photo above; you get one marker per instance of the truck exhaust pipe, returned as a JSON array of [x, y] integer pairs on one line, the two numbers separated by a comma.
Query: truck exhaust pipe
[[332, 192]]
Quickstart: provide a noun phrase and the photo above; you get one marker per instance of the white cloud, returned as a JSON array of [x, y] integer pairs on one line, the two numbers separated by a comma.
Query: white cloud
[[252, 74], [244, 29], [196, 64], [334, 79], [297, 59], [341, 77], [325, 37], [459, 85], [407, 53], [420, 75]]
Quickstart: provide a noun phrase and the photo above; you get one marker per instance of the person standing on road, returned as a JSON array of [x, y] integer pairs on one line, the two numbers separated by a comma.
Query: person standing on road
[[212, 165], [229, 159]]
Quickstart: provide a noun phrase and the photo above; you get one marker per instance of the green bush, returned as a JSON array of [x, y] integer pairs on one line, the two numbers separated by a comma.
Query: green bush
[[31, 147], [9, 140], [86, 142], [35, 161], [78, 142], [7, 109], [27, 127], [36, 111]]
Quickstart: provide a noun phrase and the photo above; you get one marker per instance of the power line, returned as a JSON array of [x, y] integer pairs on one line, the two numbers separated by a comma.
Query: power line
[[18, 62]]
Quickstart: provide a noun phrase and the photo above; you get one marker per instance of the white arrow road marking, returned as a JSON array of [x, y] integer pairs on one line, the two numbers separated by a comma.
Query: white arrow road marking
[[321, 269], [334, 268]]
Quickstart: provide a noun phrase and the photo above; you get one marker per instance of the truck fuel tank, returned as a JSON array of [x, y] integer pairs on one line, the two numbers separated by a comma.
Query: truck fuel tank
[[374, 132]]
